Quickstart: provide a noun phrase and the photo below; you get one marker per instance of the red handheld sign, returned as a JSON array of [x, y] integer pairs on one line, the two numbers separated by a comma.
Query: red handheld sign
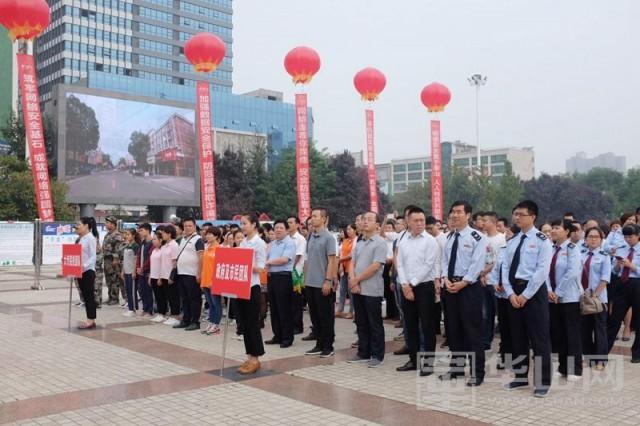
[[232, 272]]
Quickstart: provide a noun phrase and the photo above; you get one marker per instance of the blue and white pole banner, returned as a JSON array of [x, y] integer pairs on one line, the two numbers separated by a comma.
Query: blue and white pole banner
[[16, 243], [55, 234]]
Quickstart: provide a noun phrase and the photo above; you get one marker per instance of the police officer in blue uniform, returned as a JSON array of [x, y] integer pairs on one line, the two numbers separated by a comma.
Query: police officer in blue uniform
[[563, 286], [596, 272], [494, 278], [627, 267], [527, 264], [463, 261]]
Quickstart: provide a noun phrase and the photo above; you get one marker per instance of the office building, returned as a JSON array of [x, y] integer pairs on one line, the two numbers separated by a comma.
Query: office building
[[579, 163], [399, 174], [137, 38]]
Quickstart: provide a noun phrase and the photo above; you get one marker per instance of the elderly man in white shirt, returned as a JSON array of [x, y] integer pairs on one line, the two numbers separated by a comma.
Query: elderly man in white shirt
[[418, 264]]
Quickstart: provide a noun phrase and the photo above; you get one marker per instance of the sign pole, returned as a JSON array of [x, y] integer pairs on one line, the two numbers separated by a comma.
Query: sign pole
[[70, 297], [226, 329]]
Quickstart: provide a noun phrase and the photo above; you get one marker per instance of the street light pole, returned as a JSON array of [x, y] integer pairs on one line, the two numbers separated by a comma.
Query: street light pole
[[478, 80]]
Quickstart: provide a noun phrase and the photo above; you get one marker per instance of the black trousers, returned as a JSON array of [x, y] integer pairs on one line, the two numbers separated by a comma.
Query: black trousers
[[280, 290], [506, 347], [173, 296], [530, 329], [488, 315], [160, 293], [421, 310], [389, 295], [554, 319], [322, 310], [627, 295], [296, 308], [248, 312], [368, 314], [594, 337], [191, 297], [464, 333], [569, 332], [86, 284]]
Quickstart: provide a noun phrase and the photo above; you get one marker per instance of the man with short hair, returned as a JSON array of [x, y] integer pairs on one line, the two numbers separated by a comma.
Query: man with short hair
[[279, 266], [143, 267], [112, 253], [297, 303], [189, 265], [524, 273], [462, 264], [502, 225], [400, 225], [320, 269], [367, 289], [496, 241]]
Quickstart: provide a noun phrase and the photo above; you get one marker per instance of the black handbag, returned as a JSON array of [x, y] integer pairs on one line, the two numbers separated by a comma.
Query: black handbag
[[173, 276]]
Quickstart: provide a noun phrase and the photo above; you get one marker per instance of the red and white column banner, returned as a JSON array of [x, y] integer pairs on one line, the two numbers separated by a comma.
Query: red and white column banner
[[302, 157], [436, 171], [35, 136], [207, 158], [371, 163]]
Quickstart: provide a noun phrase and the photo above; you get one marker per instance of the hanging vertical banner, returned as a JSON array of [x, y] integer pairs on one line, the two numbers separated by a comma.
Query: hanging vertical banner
[[436, 171], [371, 163], [302, 157], [35, 136], [205, 144]]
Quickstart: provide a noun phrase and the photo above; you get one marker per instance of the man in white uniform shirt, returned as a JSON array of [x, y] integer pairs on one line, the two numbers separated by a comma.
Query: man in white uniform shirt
[[298, 280], [496, 241]]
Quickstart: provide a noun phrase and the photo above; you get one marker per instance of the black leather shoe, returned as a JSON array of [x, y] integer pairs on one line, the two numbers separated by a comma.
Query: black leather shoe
[[635, 360], [475, 382], [272, 341], [541, 392], [402, 351], [285, 344], [409, 366], [426, 372], [450, 375], [297, 331], [192, 326], [182, 324], [309, 337], [516, 384]]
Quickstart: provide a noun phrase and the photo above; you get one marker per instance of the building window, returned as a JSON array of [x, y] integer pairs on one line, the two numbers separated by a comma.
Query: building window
[[415, 176], [461, 162], [399, 187], [412, 167], [498, 158], [399, 167], [498, 169]]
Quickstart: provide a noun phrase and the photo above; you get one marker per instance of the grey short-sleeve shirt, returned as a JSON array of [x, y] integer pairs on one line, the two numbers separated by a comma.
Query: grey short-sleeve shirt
[[319, 247], [368, 251]]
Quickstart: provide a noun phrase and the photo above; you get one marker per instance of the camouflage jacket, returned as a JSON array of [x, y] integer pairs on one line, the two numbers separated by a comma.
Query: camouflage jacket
[[113, 245]]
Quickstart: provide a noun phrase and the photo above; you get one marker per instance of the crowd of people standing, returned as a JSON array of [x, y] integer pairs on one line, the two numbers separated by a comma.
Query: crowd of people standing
[[564, 288]]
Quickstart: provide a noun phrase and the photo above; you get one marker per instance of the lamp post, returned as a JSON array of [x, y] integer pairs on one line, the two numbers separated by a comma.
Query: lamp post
[[478, 80]]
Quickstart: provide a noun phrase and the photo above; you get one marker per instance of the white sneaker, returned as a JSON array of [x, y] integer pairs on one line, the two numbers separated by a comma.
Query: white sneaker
[[124, 304], [158, 318], [129, 314], [573, 378], [238, 337], [171, 322]]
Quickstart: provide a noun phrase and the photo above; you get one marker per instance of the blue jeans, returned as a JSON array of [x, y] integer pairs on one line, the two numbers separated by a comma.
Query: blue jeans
[[215, 306], [344, 290], [146, 293], [132, 297]]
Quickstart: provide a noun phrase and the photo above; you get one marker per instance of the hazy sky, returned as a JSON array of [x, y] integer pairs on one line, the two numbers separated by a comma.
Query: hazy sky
[[563, 75]]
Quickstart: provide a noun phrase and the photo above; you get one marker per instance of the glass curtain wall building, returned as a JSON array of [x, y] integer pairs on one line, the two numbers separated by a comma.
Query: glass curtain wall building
[[136, 38]]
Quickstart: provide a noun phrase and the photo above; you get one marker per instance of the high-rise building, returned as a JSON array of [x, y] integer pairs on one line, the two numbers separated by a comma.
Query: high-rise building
[[579, 163], [137, 38], [399, 174]]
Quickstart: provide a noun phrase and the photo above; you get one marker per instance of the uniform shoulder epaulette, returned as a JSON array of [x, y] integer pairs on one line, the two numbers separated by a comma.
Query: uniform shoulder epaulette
[[621, 247], [476, 236], [603, 252], [450, 234], [541, 236], [583, 251], [571, 245]]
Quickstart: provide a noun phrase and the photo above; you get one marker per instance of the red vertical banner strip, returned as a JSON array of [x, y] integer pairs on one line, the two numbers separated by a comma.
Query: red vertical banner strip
[[436, 171], [205, 144], [302, 157], [371, 163], [35, 136]]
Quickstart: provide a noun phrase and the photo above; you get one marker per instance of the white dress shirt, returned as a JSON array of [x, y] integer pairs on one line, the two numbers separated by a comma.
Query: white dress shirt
[[418, 259]]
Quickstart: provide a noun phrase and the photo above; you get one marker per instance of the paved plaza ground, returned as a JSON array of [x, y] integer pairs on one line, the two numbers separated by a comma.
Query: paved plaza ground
[[129, 371]]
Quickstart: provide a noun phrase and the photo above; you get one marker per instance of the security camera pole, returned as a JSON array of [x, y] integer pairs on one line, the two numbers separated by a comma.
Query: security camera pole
[[478, 80]]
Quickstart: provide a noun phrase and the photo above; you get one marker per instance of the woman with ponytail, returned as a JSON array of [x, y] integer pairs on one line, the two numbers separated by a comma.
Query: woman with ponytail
[[88, 233]]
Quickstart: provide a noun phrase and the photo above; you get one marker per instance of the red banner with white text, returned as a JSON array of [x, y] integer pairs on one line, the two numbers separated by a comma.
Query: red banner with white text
[[35, 136], [302, 157], [205, 144], [436, 171], [371, 163]]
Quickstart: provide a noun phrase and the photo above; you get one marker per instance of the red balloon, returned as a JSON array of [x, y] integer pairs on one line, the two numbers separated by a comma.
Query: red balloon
[[24, 19], [435, 97], [302, 63], [369, 82], [205, 51]]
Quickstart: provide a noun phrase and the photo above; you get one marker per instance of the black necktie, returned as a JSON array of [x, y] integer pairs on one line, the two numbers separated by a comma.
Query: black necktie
[[516, 260], [454, 255]]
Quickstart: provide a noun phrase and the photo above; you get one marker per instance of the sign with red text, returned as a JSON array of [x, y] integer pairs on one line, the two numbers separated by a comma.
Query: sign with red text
[[436, 171], [302, 157], [72, 260], [35, 136], [371, 163], [232, 272], [205, 144]]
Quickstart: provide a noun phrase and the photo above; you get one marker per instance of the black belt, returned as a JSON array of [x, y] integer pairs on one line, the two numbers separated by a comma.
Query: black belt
[[279, 273], [455, 279], [520, 282], [424, 282]]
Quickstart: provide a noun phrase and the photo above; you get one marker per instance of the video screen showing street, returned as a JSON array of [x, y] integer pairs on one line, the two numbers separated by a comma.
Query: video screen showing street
[[129, 151]]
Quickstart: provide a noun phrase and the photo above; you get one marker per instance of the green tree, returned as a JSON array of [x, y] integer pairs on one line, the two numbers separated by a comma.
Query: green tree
[[418, 194], [233, 193], [139, 148], [508, 191], [83, 132], [13, 131], [258, 176]]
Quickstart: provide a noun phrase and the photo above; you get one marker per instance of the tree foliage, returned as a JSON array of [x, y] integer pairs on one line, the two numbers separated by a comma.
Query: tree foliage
[[139, 148]]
